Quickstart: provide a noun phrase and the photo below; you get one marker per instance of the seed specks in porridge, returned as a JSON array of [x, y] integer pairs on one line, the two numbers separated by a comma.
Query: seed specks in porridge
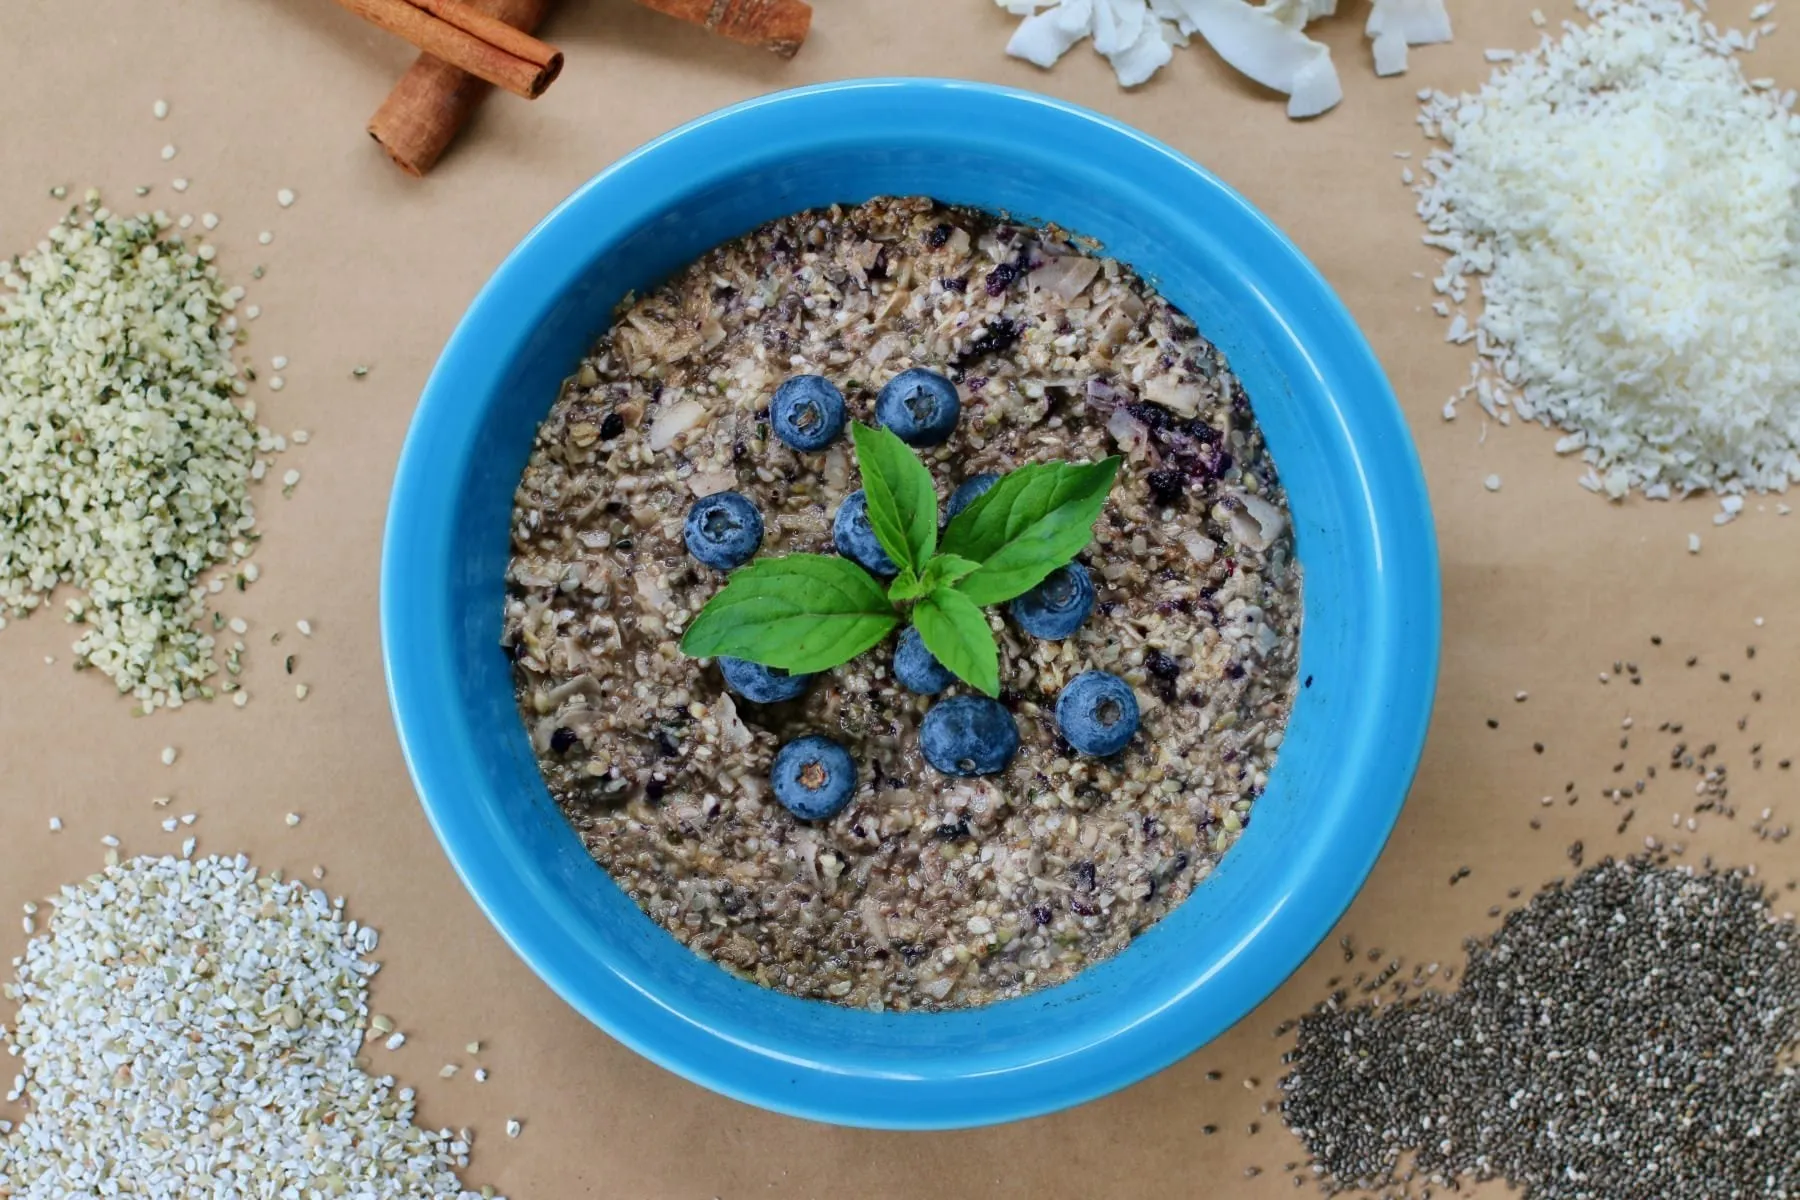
[[922, 891]]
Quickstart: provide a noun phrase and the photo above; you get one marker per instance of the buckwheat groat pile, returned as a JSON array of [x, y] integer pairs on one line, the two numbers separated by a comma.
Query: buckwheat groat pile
[[190, 1028], [926, 891]]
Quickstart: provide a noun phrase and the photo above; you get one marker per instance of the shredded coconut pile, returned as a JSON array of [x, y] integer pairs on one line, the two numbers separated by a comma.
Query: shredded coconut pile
[[1266, 42], [1629, 202], [125, 459], [190, 1029]]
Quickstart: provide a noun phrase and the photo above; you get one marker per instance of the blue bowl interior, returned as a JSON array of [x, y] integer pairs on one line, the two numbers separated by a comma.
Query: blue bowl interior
[[1369, 647]]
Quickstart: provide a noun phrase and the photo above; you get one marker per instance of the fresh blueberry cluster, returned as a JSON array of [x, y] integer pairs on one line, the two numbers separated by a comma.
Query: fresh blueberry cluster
[[814, 777]]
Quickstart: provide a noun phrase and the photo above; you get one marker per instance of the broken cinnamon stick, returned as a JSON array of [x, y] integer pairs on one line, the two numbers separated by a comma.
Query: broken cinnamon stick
[[778, 25], [481, 45], [433, 100]]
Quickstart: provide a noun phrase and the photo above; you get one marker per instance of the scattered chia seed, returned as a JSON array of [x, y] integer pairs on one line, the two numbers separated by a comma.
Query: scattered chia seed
[[1619, 1036]]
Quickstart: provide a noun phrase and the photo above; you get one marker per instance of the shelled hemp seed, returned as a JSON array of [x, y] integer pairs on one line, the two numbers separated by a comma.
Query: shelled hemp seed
[[114, 332]]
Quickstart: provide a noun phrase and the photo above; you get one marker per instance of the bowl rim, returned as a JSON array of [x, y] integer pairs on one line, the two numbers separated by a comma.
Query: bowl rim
[[720, 1062]]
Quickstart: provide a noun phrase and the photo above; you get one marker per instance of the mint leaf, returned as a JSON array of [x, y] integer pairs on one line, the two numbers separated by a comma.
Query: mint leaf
[[907, 586], [946, 569], [1030, 523], [802, 613], [942, 571], [902, 501], [955, 631]]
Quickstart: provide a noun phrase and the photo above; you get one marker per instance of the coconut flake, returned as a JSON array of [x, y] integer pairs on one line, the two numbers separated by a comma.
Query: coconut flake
[[1390, 52], [1118, 23], [1420, 22], [674, 421], [1132, 434], [707, 483], [1274, 55], [1144, 57], [1137, 37], [1316, 89], [732, 730], [1200, 548], [1173, 394], [1045, 37], [1298, 14], [1065, 276], [1255, 522]]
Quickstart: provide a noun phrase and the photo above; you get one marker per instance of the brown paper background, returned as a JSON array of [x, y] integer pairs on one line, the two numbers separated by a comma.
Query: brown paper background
[[1544, 585]]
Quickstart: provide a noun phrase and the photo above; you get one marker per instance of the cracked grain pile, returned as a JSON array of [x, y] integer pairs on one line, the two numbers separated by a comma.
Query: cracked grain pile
[[190, 1028], [1631, 206], [125, 457], [924, 892], [1630, 1033]]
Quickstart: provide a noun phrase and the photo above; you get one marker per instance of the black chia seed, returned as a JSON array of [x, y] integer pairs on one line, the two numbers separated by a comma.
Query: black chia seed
[[1621, 1036]]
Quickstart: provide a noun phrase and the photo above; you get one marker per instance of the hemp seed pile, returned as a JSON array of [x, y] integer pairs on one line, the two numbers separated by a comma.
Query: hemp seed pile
[[190, 1028], [1627, 1034], [125, 456]]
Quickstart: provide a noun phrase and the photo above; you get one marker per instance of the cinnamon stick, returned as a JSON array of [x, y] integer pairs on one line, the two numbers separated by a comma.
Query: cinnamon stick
[[778, 25], [481, 45], [433, 100]]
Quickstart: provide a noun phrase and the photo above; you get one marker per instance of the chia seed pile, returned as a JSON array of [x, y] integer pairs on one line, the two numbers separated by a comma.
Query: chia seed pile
[[188, 1028], [1629, 1033], [924, 891]]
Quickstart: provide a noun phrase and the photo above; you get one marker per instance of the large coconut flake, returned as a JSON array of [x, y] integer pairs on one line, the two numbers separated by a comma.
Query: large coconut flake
[[1044, 37], [1257, 44], [1266, 42]]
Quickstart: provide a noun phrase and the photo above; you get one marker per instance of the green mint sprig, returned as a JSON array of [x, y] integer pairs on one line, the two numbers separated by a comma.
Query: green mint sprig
[[810, 612]]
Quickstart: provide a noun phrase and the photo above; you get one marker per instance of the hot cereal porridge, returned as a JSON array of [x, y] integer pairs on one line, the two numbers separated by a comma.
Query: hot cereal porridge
[[925, 890]]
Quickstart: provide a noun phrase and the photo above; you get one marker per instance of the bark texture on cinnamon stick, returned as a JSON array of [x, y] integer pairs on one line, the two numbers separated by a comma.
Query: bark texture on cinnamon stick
[[434, 100], [485, 47], [778, 25]]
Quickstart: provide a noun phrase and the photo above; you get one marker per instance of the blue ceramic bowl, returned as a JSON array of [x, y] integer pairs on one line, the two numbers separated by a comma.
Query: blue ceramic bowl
[[1369, 651]]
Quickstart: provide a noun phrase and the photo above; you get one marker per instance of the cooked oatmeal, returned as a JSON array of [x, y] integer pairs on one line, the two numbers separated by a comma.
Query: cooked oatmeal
[[925, 892]]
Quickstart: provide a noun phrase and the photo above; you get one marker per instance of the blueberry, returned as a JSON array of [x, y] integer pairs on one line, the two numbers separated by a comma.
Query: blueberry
[[970, 491], [759, 684], [723, 530], [917, 669], [807, 412], [855, 540], [814, 777], [968, 735], [1055, 608], [1097, 713], [920, 406]]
